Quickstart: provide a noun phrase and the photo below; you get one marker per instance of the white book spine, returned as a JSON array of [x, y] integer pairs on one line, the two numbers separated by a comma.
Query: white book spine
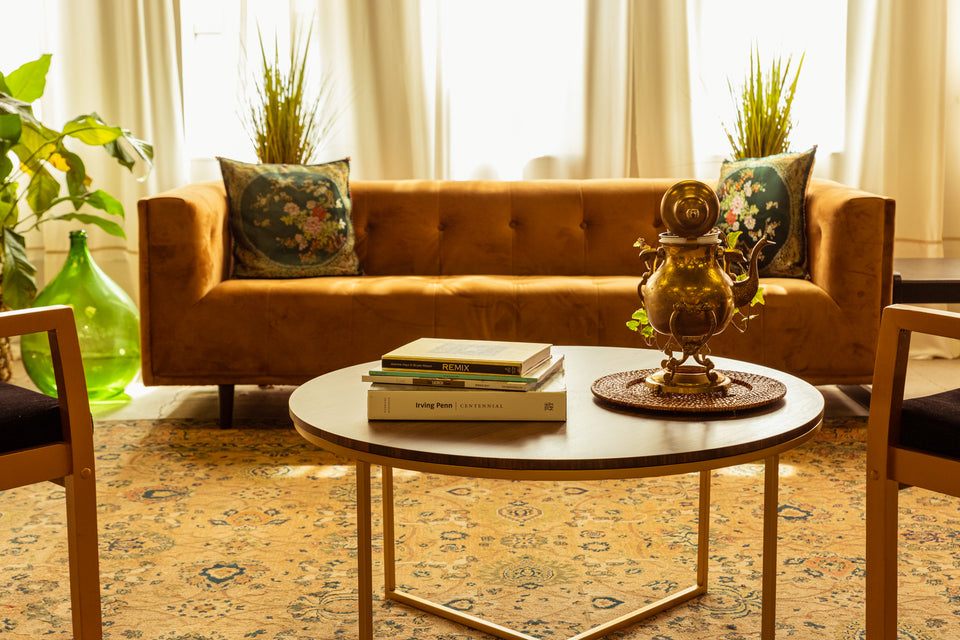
[[447, 382], [395, 402]]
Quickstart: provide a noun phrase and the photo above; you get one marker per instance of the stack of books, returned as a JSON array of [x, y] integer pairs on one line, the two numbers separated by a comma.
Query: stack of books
[[445, 379]]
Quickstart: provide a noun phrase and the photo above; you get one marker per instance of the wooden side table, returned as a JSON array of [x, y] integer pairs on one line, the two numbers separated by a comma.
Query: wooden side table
[[916, 281], [926, 280]]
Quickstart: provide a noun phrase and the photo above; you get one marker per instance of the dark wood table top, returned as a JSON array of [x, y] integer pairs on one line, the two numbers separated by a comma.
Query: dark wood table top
[[926, 280], [330, 411]]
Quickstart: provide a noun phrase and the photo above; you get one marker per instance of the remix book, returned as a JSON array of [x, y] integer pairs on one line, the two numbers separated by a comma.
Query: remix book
[[532, 380], [466, 356]]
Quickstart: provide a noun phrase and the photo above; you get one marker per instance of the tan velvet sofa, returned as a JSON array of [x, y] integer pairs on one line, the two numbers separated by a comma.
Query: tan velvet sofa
[[549, 261]]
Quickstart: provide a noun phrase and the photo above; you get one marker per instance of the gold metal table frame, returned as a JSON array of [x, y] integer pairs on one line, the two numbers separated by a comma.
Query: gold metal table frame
[[801, 419]]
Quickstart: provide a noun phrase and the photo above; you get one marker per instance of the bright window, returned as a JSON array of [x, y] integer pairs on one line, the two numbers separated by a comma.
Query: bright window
[[510, 83], [219, 46], [19, 45]]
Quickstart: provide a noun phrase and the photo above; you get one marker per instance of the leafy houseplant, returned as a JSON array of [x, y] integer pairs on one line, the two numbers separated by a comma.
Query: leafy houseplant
[[286, 124], [764, 120], [44, 160]]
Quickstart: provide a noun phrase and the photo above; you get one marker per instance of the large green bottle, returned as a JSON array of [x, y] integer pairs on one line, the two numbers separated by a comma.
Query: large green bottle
[[108, 327]]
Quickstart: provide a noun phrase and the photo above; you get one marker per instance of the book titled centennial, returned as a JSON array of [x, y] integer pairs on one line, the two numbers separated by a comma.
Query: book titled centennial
[[466, 356], [399, 402], [534, 378]]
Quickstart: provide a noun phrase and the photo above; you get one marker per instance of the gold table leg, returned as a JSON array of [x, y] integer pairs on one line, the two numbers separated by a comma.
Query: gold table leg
[[771, 499], [626, 620], [389, 539], [364, 552]]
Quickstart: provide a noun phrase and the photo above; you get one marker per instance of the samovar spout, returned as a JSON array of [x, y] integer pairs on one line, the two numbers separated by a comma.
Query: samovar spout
[[744, 290]]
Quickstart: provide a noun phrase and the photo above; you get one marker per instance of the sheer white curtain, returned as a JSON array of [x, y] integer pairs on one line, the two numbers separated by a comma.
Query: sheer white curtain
[[392, 119], [507, 90], [903, 121], [122, 60], [637, 109], [900, 117], [659, 133], [460, 90]]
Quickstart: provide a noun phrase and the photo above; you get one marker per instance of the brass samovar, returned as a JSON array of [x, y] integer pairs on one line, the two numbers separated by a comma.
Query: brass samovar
[[690, 287]]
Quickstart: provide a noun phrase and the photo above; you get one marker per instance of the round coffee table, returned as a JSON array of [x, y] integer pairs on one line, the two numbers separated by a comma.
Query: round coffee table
[[596, 441]]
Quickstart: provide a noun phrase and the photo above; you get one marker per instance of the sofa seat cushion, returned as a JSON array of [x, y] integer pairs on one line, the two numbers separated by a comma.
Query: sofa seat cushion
[[322, 324], [798, 312]]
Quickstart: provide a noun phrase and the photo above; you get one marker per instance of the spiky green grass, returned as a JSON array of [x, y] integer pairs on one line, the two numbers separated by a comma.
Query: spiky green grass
[[764, 119], [285, 122]]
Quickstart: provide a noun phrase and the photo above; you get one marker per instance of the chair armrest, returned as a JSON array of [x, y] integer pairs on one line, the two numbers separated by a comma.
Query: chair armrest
[[24, 321], [59, 323], [893, 349], [934, 322]]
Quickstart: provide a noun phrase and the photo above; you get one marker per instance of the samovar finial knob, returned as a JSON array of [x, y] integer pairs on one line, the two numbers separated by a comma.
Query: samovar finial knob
[[690, 208]]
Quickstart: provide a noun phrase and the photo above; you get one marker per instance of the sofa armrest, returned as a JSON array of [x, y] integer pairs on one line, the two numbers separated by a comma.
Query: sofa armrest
[[850, 246], [184, 253]]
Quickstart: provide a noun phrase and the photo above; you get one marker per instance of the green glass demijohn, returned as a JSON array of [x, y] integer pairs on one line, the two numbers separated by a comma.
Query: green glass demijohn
[[108, 327]]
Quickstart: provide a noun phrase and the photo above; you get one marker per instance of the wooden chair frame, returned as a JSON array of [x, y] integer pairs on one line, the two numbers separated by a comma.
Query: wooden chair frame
[[891, 466], [69, 463]]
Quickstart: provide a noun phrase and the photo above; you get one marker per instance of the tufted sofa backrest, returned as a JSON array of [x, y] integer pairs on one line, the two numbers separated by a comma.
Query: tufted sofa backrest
[[542, 227]]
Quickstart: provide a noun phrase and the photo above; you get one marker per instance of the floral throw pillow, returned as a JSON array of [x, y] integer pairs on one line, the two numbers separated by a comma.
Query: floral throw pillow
[[290, 220], [766, 196]]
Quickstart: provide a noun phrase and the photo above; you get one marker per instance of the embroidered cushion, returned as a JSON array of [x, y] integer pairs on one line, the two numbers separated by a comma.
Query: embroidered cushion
[[766, 196], [290, 221]]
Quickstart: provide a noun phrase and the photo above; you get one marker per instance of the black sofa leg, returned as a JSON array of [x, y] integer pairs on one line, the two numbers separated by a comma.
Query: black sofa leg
[[226, 405]]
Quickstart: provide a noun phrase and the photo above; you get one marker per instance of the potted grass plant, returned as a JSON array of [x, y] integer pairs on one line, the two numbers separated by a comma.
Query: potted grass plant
[[764, 119], [286, 121]]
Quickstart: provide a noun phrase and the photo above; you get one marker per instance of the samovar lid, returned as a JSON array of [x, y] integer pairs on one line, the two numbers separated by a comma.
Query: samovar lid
[[690, 208], [708, 238]]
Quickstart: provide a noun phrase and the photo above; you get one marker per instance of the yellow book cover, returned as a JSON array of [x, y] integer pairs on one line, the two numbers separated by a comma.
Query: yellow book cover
[[466, 356]]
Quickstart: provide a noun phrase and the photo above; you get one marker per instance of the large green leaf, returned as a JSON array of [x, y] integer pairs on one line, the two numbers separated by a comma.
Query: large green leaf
[[76, 173], [28, 82], [6, 167], [91, 130], [121, 150], [10, 128], [8, 205], [35, 146], [109, 226], [19, 276], [42, 191], [105, 202], [12, 106]]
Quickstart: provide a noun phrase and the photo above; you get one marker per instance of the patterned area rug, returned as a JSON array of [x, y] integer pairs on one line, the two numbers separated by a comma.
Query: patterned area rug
[[210, 534]]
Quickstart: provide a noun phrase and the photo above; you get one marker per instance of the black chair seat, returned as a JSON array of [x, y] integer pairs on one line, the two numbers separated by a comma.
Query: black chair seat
[[932, 423], [27, 418]]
